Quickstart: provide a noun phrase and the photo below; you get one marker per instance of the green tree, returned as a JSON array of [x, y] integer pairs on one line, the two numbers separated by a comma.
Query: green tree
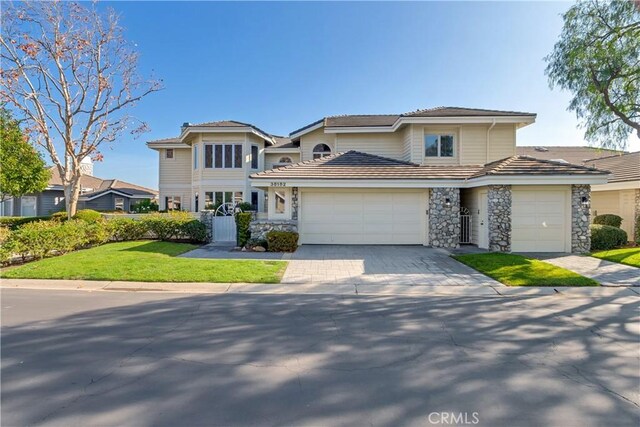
[[22, 169], [597, 59]]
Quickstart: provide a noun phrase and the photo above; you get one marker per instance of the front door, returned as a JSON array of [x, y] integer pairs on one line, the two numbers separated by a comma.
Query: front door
[[483, 229], [28, 206]]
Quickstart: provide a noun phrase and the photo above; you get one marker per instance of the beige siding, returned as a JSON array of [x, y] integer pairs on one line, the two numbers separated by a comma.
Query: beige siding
[[418, 143], [502, 142], [470, 199], [270, 159], [617, 202], [176, 170], [310, 140], [473, 144], [380, 144], [406, 143]]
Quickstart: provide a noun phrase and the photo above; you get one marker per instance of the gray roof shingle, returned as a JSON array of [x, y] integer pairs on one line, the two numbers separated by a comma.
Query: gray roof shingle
[[357, 165], [575, 155], [623, 167]]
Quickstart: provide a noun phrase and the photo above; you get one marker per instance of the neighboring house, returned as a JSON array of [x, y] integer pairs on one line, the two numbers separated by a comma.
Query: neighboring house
[[437, 177], [95, 193], [621, 195]]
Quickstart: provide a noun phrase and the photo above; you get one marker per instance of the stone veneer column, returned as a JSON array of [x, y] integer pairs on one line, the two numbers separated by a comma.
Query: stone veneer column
[[294, 203], [580, 218], [206, 217], [444, 221], [499, 217]]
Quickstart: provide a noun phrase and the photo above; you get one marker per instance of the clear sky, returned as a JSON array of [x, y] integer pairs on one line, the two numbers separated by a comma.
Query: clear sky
[[281, 66]]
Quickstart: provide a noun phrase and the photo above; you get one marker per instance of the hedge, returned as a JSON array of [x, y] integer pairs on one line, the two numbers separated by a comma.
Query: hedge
[[282, 241], [605, 237], [14, 222], [608, 219], [123, 229], [243, 219], [88, 215]]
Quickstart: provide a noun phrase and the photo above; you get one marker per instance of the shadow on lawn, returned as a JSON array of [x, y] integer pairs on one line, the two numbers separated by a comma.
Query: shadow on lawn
[[162, 248], [265, 359]]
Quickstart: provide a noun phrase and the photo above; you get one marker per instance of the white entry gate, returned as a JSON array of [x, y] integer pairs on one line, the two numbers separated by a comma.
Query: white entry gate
[[224, 223]]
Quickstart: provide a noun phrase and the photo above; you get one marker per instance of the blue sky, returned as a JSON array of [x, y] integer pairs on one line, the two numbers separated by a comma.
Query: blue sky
[[281, 66]]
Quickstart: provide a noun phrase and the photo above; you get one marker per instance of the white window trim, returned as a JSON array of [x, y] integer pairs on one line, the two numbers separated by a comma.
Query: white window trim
[[251, 155], [272, 203], [213, 155], [173, 157], [233, 192], [171, 199], [322, 153], [115, 202], [439, 133], [196, 158]]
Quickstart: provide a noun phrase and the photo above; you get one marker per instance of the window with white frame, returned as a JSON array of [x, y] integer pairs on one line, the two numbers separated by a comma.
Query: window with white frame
[[280, 202], [284, 161], [254, 156], [168, 153], [172, 203], [223, 156], [118, 203], [213, 199], [195, 157], [321, 150], [439, 145]]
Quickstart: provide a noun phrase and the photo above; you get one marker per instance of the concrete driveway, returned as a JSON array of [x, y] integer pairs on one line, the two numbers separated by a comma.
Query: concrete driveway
[[380, 265], [74, 358]]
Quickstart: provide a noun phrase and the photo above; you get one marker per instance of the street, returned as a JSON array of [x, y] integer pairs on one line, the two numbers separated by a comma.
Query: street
[[125, 358]]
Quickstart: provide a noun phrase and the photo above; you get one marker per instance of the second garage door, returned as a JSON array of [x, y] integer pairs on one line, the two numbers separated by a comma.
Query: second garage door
[[377, 216], [539, 219]]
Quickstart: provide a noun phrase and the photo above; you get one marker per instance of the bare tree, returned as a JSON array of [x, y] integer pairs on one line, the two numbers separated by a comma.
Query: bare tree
[[70, 72]]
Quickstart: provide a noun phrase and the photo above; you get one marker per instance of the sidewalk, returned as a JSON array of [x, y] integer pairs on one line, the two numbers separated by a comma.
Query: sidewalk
[[331, 289]]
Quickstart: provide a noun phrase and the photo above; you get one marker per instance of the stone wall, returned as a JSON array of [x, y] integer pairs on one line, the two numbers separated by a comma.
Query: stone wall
[[499, 217], [206, 217], [444, 221], [580, 219], [294, 203], [261, 227]]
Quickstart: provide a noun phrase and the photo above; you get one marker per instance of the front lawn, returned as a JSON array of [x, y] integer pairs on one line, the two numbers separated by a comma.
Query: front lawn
[[628, 256], [147, 261], [516, 270]]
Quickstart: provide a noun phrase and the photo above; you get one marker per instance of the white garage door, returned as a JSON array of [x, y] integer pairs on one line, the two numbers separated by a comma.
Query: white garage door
[[539, 220], [362, 217]]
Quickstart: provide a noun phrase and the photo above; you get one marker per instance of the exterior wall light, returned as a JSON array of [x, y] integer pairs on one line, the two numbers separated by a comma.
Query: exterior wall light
[[585, 202], [447, 202]]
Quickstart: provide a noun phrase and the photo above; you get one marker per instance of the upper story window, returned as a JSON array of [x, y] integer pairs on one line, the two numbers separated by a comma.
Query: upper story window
[[321, 150], [285, 159], [254, 157], [438, 145], [223, 156], [168, 154], [195, 157]]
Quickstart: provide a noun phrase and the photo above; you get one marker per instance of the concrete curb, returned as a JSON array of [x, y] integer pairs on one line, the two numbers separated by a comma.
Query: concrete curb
[[310, 289]]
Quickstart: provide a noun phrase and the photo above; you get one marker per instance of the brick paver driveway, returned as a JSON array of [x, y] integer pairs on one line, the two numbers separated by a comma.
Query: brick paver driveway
[[397, 265]]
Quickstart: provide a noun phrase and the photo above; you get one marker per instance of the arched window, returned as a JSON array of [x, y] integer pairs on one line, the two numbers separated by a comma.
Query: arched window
[[321, 150], [285, 160]]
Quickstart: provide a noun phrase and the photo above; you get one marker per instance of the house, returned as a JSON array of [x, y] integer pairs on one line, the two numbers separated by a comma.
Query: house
[[95, 193], [620, 196], [438, 177]]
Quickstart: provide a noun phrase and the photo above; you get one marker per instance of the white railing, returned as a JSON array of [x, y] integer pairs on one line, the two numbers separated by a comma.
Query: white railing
[[465, 228]]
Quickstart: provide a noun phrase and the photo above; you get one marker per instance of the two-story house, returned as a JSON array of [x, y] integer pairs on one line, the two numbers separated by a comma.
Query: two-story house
[[434, 177]]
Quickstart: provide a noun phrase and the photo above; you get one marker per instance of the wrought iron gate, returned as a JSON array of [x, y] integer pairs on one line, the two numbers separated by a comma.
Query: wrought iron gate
[[465, 226]]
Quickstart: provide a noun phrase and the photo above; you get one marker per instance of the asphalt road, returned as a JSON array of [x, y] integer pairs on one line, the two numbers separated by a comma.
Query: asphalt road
[[101, 358]]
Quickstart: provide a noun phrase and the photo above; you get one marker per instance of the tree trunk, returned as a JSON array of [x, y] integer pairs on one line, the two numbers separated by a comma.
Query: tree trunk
[[71, 194]]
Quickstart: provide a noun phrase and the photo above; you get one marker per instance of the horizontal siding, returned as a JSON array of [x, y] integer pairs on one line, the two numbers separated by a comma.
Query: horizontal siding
[[406, 143], [617, 202], [502, 142], [50, 202], [473, 145], [273, 158], [418, 144], [380, 144], [176, 170]]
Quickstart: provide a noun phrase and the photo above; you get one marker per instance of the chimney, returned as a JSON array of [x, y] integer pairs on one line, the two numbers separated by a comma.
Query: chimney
[[86, 166]]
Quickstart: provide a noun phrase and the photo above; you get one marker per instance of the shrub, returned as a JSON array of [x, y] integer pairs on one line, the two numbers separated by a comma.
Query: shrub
[[5, 245], [282, 241], [252, 243], [88, 215], [194, 231], [167, 226], [144, 206], [14, 222], [638, 229], [608, 219], [243, 219], [60, 216], [245, 206], [127, 229], [36, 239], [605, 237]]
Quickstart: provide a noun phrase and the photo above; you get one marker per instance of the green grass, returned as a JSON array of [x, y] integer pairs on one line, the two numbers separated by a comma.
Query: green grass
[[147, 261], [516, 270], [628, 256]]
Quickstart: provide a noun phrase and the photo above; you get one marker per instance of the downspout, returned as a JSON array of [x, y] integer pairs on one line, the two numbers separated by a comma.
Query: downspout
[[488, 144]]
